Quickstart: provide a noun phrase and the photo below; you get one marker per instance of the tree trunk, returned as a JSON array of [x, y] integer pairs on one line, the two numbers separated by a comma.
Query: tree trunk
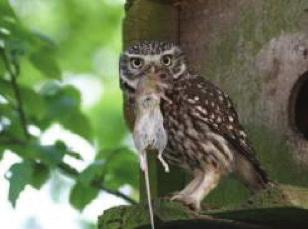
[[256, 51]]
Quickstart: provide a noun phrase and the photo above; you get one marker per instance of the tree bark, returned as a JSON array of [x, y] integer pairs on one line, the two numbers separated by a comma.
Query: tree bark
[[256, 51]]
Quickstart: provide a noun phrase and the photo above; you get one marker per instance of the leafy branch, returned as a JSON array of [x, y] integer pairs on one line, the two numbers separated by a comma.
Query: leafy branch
[[21, 106], [13, 71], [97, 184]]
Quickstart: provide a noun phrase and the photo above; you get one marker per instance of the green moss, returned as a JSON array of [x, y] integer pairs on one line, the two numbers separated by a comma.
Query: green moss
[[276, 156], [134, 216], [149, 20], [276, 206], [232, 53], [230, 62]]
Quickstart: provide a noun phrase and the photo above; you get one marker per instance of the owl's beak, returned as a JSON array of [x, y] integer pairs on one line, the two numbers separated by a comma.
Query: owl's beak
[[153, 69]]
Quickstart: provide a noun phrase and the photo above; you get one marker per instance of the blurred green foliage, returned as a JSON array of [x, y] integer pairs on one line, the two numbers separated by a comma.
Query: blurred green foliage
[[40, 43]]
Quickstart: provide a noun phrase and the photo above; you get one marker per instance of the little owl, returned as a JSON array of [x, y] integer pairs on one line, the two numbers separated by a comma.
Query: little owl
[[202, 126]]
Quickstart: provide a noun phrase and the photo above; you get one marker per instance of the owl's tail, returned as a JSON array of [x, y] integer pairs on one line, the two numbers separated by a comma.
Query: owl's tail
[[251, 173]]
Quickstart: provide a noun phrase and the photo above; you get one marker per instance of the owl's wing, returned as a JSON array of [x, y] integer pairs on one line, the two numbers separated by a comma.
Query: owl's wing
[[211, 105]]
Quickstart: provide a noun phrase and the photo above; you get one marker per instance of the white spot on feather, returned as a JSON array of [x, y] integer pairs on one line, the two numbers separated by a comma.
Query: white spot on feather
[[230, 127], [202, 110]]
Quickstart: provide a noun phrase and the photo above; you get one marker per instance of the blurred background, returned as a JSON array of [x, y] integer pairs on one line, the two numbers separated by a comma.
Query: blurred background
[[65, 153]]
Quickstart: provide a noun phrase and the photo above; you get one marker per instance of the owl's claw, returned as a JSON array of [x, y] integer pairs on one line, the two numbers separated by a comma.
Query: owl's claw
[[188, 201]]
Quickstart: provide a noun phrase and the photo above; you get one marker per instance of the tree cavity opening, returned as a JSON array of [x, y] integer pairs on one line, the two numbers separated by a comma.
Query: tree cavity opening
[[299, 106]]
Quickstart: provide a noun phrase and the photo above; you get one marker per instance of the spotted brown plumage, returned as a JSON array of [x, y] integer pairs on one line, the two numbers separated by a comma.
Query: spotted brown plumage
[[204, 133], [210, 112]]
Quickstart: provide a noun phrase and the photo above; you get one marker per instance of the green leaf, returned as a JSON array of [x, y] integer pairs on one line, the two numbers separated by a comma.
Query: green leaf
[[64, 108], [20, 176], [78, 123], [81, 195], [5, 109], [50, 89], [93, 172], [51, 154], [8, 17], [46, 64], [6, 89], [62, 100], [33, 104], [6, 9], [41, 174], [2, 149], [109, 111], [2, 66], [14, 129], [117, 173]]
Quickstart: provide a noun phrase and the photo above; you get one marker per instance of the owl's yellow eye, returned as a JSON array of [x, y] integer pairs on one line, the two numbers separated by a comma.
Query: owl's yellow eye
[[166, 60], [136, 62]]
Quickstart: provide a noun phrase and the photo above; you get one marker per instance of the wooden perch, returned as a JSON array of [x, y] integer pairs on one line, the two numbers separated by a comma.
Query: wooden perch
[[257, 52], [282, 206]]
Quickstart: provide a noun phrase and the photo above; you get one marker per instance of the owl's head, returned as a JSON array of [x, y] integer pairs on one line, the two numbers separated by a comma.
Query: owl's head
[[146, 57]]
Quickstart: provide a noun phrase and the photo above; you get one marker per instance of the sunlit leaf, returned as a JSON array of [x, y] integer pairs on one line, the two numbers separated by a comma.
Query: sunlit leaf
[[20, 175], [81, 195]]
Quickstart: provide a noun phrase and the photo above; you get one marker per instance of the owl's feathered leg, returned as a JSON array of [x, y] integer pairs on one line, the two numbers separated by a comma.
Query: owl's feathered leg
[[189, 188], [193, 194]]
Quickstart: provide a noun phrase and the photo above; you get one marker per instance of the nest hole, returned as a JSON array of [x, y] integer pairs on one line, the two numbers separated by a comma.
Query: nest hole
[[299, 106]]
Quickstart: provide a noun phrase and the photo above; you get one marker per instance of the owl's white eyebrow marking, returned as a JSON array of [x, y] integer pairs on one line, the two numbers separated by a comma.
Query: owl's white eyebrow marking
[[183, 69], [151, 57], [130, 82]]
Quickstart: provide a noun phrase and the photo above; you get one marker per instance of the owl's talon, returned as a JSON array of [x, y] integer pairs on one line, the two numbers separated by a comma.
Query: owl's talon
[[188, 201]]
